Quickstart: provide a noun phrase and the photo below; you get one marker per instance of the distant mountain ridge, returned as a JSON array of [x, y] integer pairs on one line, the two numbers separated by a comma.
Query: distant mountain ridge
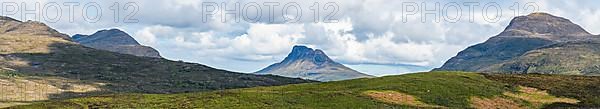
[[308, 63], [116, 40], [535, 43]]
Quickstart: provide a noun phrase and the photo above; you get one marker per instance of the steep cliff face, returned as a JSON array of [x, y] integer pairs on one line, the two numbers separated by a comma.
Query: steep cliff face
[[307, 63]]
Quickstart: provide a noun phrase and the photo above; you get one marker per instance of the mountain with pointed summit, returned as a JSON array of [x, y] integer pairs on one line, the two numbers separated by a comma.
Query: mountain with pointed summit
[[536, 43], [312, 64], [115, 40]]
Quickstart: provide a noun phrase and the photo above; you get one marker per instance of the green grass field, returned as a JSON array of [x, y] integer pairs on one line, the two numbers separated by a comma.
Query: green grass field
[[418, 90]]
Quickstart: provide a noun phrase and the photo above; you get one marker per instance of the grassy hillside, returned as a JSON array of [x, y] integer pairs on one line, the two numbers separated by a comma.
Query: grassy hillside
[[419, 90], [572, 58], [584, 88]]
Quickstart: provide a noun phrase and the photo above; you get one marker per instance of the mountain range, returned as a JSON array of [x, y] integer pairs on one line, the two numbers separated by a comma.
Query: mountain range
[[312, 64], [38, 63], [536, 43], [43, 68]]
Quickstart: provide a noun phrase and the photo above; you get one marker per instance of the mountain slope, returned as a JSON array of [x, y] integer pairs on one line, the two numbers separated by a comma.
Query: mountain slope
[[524, 34], [115, 40], [495, 50], [304, 62], [572, 58], [418, 90], [61, 69], [10, 26]]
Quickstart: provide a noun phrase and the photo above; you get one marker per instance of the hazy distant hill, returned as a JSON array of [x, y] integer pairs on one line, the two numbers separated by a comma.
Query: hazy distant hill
[[307, 63], [115, 40]]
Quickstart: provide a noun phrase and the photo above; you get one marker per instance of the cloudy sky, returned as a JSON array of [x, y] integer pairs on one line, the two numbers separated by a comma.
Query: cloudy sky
[[378, 37]]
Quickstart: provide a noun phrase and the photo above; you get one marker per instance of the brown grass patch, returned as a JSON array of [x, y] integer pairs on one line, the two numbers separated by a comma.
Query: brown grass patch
[[8, 104], [22, 90], [27, 44], [539, 97], [494, 103], [394, 97]]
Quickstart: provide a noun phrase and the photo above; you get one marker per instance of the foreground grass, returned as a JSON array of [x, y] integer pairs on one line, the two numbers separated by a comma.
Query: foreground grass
[[447, 89], [419, 90]]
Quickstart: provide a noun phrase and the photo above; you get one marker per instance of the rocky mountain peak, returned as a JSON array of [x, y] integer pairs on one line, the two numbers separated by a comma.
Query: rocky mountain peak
[[107, 37], [313, 64], [300, 49], [116, 40], [300, 52], [543, 24], [113, 32]]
